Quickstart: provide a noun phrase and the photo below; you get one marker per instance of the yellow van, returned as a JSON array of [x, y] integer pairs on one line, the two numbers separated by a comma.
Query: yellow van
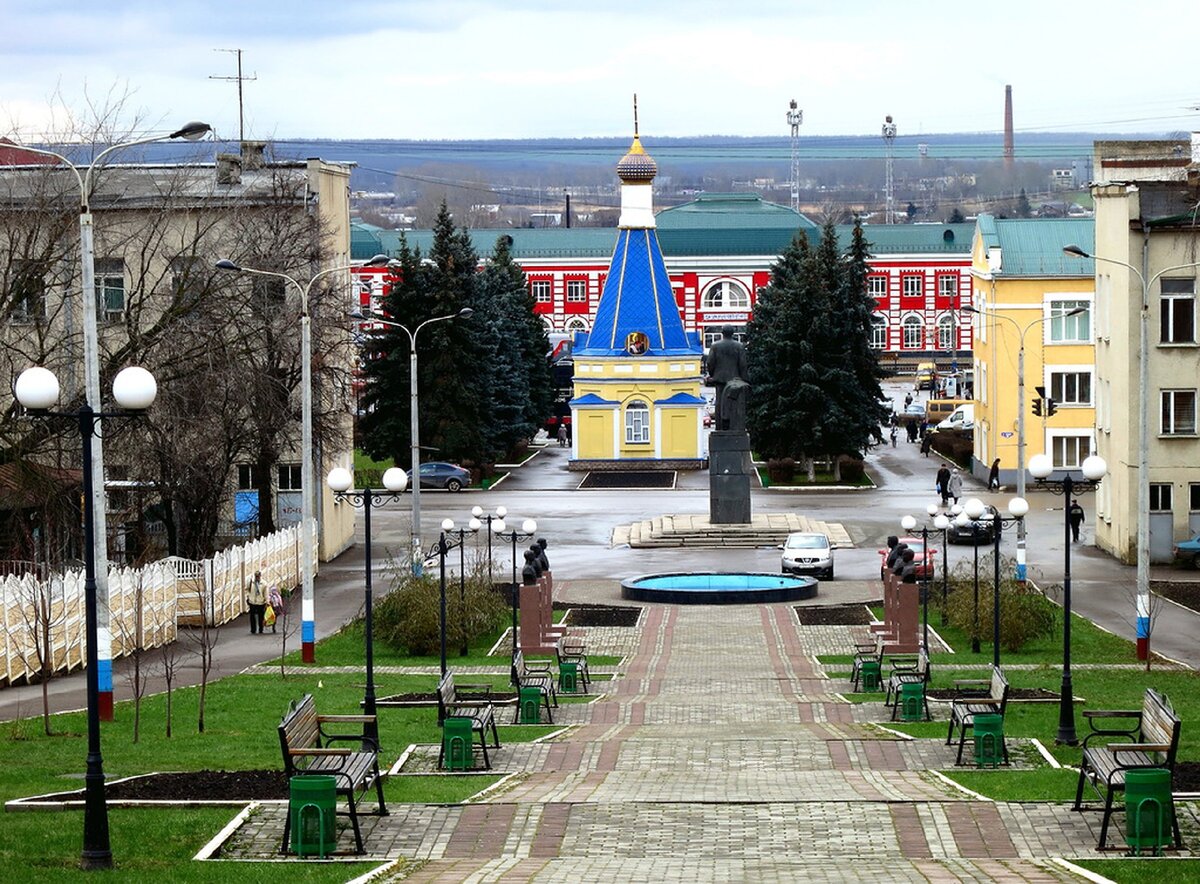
[[937, 410], [926, 376]]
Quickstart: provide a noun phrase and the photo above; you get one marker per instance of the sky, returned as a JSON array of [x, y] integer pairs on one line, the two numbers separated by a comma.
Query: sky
[[455, 69]]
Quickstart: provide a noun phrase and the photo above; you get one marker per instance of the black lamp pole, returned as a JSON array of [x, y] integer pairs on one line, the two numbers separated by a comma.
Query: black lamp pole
[[443, 548], [1001, 524], [515, 536], [462, 590], [945, 572], [975, 622], [925, 587]]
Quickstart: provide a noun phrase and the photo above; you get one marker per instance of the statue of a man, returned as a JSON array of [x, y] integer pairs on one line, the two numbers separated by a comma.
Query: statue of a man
[[726, 362]]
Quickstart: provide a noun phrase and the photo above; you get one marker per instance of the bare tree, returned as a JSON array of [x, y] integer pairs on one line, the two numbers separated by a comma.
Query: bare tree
[[134, 639], [205, 637], [169, 661]]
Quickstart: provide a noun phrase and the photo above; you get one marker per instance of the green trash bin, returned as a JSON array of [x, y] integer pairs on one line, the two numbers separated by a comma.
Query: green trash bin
[[312, 807], [912, 701], [531, 705], [457, 750], [1148, 809], [568, 677], [989, 739], [870, 675]]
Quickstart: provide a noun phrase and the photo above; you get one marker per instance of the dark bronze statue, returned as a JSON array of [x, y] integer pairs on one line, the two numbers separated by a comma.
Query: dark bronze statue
[[727, 373]]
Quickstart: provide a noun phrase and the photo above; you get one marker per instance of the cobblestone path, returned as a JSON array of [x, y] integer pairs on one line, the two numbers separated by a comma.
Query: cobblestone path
[[721, 753]]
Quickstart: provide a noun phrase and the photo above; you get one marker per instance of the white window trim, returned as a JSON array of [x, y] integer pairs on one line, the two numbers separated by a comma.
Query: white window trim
[[955, 291], [1162, 431], [905, 324], [1051, 435], [637, 405], [548, 283], [1088, 369], [946, 318], [905, 277], [571, 298], [725, 287], [883, 278], [883, 324], [1177, 297], [1048, 303]]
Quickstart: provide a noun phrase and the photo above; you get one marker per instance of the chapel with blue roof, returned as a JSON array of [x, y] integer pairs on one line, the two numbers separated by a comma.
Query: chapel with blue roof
[[637, 402]]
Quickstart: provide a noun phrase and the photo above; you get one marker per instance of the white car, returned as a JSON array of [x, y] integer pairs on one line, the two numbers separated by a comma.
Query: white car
[[808, 553]]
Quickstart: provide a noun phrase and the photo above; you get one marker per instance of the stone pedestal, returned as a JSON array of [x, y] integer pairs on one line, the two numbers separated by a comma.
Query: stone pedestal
[[729, 475], [906, 639]]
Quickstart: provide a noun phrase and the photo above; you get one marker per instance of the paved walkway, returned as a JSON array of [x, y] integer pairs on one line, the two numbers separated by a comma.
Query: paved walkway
[[722, 752]]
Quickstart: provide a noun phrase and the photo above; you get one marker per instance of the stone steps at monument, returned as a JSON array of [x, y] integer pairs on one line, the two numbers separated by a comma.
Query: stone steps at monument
[[765, 530]]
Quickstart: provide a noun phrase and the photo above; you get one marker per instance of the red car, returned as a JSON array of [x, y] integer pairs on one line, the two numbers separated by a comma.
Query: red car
[[923, 559]]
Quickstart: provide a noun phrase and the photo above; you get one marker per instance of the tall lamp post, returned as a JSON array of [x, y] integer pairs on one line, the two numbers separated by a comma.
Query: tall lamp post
[[528, 529], [473, 526], [394, 482], [91, 371], [418, 557], [942, 523], [442, 549], [1143, 498], [134, 390], [1017, 508], [1094, 468], [307, 481], [1021, 330], [488, 519], [972, 512], [908, 523]]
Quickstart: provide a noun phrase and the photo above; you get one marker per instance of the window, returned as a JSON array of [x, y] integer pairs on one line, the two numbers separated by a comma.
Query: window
[[1071, 387], [540, 288], [912, 286], [637, 423], [246, 477], [1178, 413], [110, 290], [1063, 329], [877, 286], [577, 291], [726, 294], [947, 286], [1160, 497], [289, 477], [1194, 497], [712, 334], [914, 333], [1069, 452], [576, 325], [946, 332], [27, 292], [185, 281], [1177, 312], [879, 332]]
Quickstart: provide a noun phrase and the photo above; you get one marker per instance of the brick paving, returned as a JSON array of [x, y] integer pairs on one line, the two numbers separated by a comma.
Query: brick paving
[[722, 751]]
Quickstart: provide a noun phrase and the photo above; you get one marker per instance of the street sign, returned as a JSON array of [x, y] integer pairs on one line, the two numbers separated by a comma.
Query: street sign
[[1007, 435]]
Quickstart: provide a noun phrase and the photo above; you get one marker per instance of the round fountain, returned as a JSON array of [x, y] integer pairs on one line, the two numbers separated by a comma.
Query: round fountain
[[718, 588]]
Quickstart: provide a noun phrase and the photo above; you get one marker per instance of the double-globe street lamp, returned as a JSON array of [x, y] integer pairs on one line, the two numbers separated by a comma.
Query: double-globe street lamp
[[1093, 468], [134, 390], [488, 519], [448, 527], [908, 523], [418, 557], [1143, 459], [307, 481], [394, 482], [193, 131], [970, 516], [526, 532]]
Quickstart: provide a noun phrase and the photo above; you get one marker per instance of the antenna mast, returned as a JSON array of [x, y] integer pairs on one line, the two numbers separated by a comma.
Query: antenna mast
[[889, 190], [240, 79], [795, 117]]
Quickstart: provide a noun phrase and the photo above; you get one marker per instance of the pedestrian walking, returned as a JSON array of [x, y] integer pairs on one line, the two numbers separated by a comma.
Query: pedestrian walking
[[907, 399], [893, 434], [275, 600], [926, 444], [994, 476], [1075, 517], [912, 431], [562, 435], [954, 487], [942, 483], [256, 598]]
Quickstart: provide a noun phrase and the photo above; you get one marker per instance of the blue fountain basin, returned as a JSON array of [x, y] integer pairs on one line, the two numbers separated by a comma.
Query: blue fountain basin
[[718, 588]]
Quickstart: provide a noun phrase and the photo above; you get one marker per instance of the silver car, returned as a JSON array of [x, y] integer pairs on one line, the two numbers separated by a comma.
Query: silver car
[[808, 553]]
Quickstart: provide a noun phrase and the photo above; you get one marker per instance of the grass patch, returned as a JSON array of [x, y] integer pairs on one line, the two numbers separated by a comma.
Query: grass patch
[[1043, 784], [1144, 871], [823, 477]]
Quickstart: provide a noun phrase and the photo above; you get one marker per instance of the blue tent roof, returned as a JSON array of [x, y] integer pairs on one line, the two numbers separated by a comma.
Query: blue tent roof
[[591, 399], [681, 399], [638, 297]]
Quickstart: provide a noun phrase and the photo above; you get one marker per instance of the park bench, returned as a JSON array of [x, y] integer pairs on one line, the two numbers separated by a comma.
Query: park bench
[[906, 670], [1151, 740], [973, 701], [533, 675], [871, 652], [307, 752], [481, 713], [572, 649]]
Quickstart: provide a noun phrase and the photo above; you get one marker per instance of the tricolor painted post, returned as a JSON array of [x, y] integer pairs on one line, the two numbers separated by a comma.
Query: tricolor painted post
[[1143, 627]]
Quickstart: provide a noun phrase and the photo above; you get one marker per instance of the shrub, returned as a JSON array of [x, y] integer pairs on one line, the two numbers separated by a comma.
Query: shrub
[[407, 617], [1025, 613], [781, 470]]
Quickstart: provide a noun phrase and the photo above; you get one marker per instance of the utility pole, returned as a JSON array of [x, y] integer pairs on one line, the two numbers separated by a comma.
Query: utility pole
[[889, 144], [795, 117], [240, 79]]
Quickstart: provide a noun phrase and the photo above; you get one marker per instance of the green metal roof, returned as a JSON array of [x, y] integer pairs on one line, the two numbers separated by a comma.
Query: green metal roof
[[730, 211], [893, 239], [1034, 246]]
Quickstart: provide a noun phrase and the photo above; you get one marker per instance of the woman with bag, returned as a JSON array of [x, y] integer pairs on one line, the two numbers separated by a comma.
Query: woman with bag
[[256, 598], [274, 607]]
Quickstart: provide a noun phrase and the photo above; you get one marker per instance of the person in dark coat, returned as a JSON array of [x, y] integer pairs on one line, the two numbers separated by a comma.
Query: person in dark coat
[[926, 444], [942, 484], [1075, 517], [994, 476]]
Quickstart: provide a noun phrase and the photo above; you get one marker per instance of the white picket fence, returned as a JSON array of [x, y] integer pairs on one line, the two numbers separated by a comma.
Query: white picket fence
[[146, 605]]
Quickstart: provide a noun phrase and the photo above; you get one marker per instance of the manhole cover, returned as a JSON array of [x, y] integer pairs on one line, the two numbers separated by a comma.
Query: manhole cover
[[629, 479]]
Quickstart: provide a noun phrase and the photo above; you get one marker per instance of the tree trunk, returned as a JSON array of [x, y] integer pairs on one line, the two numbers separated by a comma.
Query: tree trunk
[[262, 483], [837, 469]]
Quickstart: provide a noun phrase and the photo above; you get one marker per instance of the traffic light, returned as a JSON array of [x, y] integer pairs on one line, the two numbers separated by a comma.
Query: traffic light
[[1037, 407], [1051, 407]]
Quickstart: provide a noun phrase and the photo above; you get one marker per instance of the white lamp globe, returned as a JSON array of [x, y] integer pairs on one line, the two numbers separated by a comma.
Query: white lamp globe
[[955, 510], [395, 479], [528, 526], [477, 511], [36, 388], [339, 479], [1018, 506], [501, 511], [134, 388], [1040, 466], [498, 526], [941, 523], [932, 509], [447, 524], [474, 524], [974, 508], [908, 523], [962, 520], [1094, 467]]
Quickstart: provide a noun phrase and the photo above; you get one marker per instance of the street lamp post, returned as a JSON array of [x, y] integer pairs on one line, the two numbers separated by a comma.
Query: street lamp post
[[972, 512], [414, 425], [442, 549], [1017, 508], [134, 390], [1094, 468], [394, 481], [528, 529], [91, 371], [1143, 460], [473, 527], [942, 523], [307, 481], [477, 512]]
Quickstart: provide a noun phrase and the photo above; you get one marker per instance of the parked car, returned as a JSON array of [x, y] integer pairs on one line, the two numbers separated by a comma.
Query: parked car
[[962, 418], [807, 552], [1188, 551], [984, 533], [923, 558], [438, 474], [926, 378]]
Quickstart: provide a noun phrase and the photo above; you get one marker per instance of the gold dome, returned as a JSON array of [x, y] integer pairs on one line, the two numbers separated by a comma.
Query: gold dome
[[637, 166]]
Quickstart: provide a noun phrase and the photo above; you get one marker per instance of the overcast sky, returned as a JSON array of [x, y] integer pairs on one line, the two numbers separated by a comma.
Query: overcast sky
[[532, 68]]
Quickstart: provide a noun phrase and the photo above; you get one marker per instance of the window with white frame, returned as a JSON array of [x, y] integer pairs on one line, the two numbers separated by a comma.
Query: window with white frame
[[913, 333], [912, 286], [1064, 329], [1103, 305], [1177, 412], [945, 329], [1160, 497], [540, 289], [289, 477], [110, 290], [1177, 312], [1071, 388], [712, 334], [877, 286], [576, 291], [549, 323], [1069, 450], [637, 423], [576, 325], [27, 292], [947, 286], [726, 294], [879, 332], [247, 480]]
